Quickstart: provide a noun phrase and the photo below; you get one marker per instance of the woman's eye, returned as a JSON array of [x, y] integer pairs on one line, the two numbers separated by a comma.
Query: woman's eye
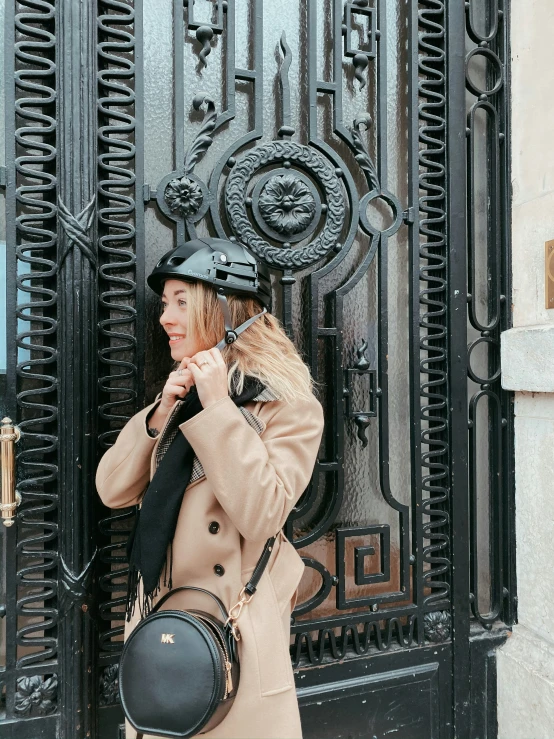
[[182, 302]]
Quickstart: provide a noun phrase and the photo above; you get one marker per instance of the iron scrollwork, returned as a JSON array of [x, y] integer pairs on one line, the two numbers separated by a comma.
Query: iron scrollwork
[[205, 32], [361, 55], [490, 408], [361, 368], [77, 229], [109, 685], [181, 194], [75, 587], [31, 150], [287, 153], [36, 695], [184, 196], [435, 502], [119, 353], [437, 625], [287, 204]]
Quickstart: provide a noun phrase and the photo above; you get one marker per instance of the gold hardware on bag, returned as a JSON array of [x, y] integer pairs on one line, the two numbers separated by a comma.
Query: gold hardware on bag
[[229, 679], [168, 638], [243, 600], [9, 435]]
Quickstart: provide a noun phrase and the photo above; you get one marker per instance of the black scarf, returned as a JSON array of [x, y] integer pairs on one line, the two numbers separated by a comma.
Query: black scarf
[[156, 520]]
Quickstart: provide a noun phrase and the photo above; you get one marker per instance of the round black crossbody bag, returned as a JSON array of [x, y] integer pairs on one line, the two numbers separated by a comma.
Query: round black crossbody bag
[[179, 670]]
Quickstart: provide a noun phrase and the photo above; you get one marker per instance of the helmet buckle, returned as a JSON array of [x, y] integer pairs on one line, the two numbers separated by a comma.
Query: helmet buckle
[[230, 337]]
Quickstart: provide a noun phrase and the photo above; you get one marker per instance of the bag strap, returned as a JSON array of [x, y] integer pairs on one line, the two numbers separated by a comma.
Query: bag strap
[[252, 584], [245, 595], [247, 592]]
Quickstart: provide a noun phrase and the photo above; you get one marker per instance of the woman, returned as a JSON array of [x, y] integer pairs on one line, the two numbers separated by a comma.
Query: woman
[[245, 451]]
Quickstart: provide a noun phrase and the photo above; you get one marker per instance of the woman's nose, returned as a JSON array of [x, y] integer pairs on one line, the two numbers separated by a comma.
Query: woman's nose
[[166, 317]]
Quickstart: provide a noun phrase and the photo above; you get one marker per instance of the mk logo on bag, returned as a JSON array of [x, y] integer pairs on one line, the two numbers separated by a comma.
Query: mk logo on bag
[[168, 638]]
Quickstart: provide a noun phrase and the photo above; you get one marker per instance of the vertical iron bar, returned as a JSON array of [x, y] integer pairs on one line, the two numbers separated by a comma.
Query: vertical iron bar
[[457, 363], [507, 398], [140, 245], [77, 357], [179, 100]]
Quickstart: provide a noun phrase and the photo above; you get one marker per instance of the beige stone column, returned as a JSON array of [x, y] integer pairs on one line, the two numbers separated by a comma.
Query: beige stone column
[[526, 662]]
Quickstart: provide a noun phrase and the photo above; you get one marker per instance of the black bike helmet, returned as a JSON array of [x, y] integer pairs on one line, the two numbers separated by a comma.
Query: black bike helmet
[[225, 265]]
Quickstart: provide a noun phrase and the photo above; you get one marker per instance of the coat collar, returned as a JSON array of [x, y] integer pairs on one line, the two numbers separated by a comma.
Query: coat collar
[[266, 395]]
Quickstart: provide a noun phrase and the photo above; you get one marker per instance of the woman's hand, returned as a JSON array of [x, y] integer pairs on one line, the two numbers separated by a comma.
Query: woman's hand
[[209, 373], [176, 387]]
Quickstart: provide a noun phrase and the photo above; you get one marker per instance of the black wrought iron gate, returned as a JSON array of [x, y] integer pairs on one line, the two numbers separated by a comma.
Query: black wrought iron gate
[[360, 148]]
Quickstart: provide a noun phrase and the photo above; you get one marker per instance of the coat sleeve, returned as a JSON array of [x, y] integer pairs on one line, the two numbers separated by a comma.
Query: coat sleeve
[[257, 478], [124, 470]]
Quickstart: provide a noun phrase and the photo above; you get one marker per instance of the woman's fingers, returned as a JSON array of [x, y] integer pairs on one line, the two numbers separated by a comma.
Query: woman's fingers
[[178, 385], [210, 356], [217, 356], [201, 359], [210, 377]]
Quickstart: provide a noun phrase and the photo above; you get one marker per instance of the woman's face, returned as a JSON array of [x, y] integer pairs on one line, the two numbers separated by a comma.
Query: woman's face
[[174, 320]]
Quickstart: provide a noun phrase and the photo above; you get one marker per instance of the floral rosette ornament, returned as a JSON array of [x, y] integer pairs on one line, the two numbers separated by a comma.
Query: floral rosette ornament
[[287, 205], [36, 692], [183, 196]]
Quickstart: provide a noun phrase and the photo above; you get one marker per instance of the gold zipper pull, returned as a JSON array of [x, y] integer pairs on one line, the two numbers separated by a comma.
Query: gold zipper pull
[[229, 679]]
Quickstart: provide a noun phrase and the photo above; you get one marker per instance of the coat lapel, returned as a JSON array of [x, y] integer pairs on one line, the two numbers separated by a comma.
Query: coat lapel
[[197, 470], [257, 424]]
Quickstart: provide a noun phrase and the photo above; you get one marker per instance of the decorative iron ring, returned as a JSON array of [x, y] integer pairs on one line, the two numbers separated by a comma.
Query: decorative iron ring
[[315, 165]]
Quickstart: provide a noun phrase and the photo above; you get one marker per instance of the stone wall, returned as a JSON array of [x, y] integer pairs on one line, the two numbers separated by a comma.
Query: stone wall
[[526, 662]]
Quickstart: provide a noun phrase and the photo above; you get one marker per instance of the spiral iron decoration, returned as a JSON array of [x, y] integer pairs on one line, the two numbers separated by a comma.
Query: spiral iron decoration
[[433, 297], [35, 83], [371, 637], [115, 211], [116, 255], [114, 530]]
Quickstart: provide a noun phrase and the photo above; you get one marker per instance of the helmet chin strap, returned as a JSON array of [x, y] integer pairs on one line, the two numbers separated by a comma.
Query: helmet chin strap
[[232, 334]]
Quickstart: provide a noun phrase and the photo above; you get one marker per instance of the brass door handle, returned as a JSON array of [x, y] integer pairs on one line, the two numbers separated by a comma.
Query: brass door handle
[[9, 436]]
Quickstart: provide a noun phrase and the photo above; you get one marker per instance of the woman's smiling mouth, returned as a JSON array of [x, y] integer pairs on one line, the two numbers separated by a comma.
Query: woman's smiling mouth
[[174, 338]]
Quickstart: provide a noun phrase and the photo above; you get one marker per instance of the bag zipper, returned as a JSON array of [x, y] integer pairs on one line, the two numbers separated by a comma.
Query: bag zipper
[[227, 660]]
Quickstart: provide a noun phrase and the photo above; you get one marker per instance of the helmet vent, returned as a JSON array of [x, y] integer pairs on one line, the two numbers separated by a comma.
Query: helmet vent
[[235, 279], [175, 261]]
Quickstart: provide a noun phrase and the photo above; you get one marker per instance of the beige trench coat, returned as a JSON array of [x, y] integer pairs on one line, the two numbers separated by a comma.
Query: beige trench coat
[[251, 466]]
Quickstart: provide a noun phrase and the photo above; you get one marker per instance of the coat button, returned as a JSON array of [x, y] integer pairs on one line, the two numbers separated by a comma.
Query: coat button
[[219, 570], [214, 527]]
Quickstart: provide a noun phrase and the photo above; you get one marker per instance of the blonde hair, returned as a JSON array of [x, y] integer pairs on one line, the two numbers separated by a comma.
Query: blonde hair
[[263, 350]]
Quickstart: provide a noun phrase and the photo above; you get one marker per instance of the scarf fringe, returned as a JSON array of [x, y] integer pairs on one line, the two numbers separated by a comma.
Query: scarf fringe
[[146, 601]]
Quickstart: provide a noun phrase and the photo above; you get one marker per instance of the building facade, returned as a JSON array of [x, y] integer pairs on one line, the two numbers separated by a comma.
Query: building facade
[[365, 151]]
